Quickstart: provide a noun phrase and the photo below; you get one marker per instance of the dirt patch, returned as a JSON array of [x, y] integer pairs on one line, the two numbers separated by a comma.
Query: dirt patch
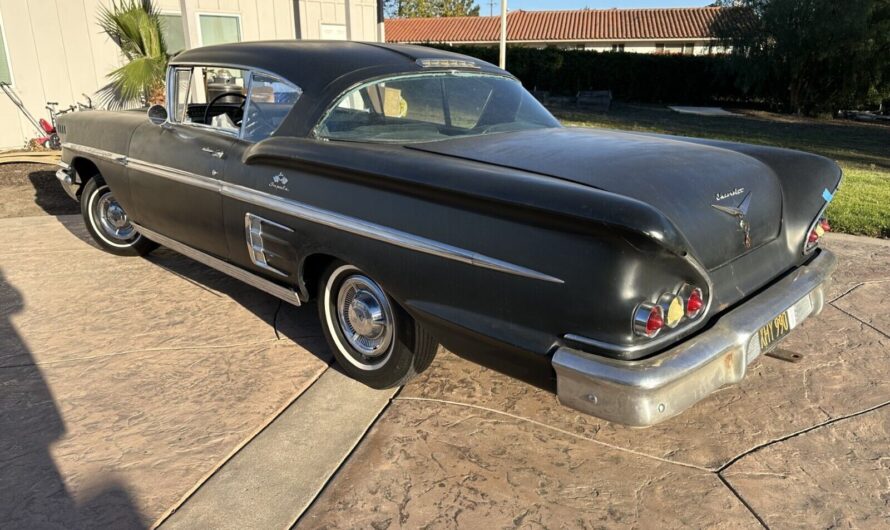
[[32, 189]]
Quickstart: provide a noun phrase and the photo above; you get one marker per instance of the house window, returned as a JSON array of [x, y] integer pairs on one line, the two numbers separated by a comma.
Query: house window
[[219, 29], [5, 71], [689, 48], [659, 47], [171, 28], [618, 47]]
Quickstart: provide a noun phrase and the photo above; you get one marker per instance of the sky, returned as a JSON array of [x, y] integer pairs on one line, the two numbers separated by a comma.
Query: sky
[[540, 5]]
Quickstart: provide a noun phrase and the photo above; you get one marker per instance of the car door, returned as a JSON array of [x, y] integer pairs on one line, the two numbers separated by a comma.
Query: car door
[[260, 239], [176, 168]]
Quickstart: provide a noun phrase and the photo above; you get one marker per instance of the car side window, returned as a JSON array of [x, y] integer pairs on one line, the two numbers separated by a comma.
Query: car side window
[[269, 103], [210, 97]]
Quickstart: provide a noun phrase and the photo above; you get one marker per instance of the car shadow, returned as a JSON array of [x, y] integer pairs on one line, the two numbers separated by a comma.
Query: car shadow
[[49, 195], [33, 493], [298, 324]]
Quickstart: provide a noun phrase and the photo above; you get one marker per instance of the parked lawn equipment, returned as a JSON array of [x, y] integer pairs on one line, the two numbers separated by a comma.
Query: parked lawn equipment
[[46, 130]]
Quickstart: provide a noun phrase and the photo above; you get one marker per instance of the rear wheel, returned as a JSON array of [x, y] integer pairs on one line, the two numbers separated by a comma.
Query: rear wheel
[[373, 339], [108, 223]]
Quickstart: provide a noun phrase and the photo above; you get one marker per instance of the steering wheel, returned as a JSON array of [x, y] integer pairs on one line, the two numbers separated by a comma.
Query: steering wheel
[[217, 98], [259, 125]]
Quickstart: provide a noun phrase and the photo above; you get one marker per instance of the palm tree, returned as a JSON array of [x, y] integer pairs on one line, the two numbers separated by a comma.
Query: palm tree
[[135, 26]]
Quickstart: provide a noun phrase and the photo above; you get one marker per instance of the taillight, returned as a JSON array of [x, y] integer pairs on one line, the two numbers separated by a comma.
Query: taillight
[[672, 309], [818, 230], [648, 320], [695, 303]]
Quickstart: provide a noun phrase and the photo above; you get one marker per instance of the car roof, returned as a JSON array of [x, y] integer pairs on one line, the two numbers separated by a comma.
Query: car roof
[[325, 69]]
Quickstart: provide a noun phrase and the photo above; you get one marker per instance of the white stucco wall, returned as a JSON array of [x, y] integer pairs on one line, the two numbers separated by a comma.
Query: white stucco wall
[[57, 51]]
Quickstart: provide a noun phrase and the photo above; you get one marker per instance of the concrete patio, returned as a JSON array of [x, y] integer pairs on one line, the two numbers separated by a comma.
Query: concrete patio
[[135, 392]]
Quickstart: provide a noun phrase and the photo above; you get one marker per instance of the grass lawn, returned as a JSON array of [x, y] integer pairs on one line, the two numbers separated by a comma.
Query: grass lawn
[[863, 150]]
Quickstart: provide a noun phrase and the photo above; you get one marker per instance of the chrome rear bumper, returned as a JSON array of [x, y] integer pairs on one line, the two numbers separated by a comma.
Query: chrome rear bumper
[[68, 179], [649, 391]]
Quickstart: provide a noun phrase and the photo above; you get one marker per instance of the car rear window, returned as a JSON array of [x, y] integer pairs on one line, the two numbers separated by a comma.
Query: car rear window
[[427, 107]]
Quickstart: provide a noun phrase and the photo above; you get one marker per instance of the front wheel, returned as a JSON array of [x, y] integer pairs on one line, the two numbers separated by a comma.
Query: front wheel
[[373, 339], [108, 223]]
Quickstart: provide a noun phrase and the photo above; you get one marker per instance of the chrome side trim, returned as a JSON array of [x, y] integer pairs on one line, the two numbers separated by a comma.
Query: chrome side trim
[[117, 158], [256, 247], [649, 391], [284, 293], [178, 175], [378, 232], [340, 221]]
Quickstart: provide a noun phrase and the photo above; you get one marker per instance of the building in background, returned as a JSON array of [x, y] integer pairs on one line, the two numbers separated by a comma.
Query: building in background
[[667, 30], [53, 50]]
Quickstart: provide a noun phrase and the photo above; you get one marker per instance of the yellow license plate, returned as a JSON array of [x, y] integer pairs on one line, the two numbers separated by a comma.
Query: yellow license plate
[[774, 330]]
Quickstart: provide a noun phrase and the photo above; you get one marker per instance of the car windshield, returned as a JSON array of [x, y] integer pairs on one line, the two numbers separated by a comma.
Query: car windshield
[[428, 107]]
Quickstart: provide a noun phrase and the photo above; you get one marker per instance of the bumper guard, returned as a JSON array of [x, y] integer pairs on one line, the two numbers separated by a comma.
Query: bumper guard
[[68, 179]]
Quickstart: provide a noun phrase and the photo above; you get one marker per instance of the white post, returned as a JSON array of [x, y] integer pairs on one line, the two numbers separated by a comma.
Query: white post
[[503, 55], [189, 31]]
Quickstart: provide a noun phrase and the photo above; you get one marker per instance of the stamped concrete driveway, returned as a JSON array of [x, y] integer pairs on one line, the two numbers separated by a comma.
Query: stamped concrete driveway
[[125, 381], [796, 445], [129, 387]]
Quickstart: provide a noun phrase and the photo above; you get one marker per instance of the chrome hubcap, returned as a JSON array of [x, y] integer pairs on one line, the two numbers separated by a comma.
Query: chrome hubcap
[[365, 316], [112, 218]]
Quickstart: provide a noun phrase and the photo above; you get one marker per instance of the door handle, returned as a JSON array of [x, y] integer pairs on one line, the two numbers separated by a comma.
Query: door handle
[[213, 152]]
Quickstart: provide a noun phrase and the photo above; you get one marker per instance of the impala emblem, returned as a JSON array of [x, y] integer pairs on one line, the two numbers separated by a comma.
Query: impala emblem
[[279, 182], [740, 212]]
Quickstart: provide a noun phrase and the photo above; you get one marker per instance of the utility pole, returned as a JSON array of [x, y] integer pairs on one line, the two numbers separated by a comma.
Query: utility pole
[[491, 8], [381, 22], [503, 55]]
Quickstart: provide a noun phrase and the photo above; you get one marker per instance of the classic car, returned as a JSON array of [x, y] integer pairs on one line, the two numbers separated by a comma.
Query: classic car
[[423, 197]]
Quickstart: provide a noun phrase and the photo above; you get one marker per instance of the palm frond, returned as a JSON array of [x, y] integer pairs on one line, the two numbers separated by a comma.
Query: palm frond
[[135, 26]]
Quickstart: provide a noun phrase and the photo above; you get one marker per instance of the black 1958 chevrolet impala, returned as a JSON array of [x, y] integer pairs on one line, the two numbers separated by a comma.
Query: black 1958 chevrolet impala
[[424, 197]]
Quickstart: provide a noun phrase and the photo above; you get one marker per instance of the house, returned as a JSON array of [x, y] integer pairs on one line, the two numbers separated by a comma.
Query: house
[[664, 30], [53, 50]]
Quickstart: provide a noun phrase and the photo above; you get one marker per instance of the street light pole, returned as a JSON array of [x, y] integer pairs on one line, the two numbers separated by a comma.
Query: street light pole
[[503, 52]]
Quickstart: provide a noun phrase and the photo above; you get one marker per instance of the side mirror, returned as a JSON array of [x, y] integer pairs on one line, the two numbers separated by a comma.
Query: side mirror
[[157, 114]]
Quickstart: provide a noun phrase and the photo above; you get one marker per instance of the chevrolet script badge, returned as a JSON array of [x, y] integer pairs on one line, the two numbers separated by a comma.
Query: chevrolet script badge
[[741, 212]]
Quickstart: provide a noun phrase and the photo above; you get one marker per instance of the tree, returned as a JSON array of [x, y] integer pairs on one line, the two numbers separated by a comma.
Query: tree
[[430, 8], [811, 55], [135, 26]]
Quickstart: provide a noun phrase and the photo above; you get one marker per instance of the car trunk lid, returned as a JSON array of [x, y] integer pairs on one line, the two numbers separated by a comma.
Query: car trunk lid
[[725, 203]]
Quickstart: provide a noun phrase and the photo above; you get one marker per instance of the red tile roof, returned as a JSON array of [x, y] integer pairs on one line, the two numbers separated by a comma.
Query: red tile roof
[[580, 25]]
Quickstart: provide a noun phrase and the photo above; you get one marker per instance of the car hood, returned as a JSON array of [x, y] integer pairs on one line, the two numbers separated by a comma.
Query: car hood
[[702, 189]]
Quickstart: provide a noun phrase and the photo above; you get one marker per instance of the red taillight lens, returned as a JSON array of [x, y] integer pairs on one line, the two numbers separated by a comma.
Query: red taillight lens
[[695, 303], [655, 322], [819, 230], [648, 320]]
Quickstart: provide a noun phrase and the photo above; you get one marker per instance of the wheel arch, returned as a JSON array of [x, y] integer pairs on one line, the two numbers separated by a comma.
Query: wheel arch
[[310, 271], [85, 170]]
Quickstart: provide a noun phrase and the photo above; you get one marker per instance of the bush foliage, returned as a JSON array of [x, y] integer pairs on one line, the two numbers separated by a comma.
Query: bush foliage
[[647, 78]]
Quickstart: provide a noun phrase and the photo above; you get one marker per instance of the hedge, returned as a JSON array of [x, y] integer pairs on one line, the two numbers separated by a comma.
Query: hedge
[[641, 77]]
